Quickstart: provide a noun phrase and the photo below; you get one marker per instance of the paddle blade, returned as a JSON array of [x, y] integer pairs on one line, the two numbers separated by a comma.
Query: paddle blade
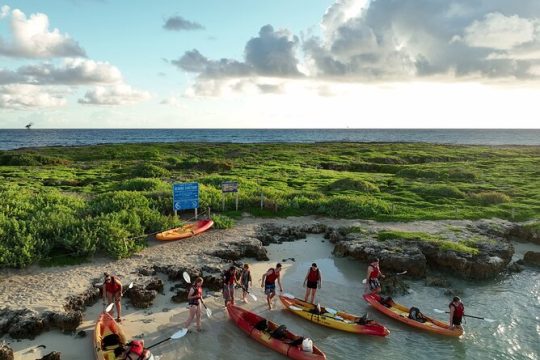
[[180, 333], [130, 285], [364, 281], [288, 296], [253, 297], [402, 273], [295, 308], [186, 277], [109, 307], [438, 311], [208, 312], [489, 320], [331, 311]]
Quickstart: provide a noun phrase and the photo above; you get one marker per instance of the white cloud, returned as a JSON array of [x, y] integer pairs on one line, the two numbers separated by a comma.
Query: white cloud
[[500, 32], [121, 94], [72, 72], [4, 11], [33, 39], [172, 101], [21, 96]]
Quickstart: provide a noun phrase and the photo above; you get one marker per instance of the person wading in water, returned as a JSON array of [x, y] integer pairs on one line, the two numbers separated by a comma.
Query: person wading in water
[[373, 274], [312, 281], [269, 283]]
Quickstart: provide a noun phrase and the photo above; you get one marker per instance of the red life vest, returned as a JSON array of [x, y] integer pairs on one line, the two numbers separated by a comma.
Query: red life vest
[[112, 287], [136, 347], [375, 273], [458, 310], [313, 275], [197, 294], [230, 277], [270, 279]]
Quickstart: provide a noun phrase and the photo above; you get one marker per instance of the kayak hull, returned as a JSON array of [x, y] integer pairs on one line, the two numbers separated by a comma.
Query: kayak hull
[[401, 313], [339, 321], [185, 231], [246, 321], [106, 326]]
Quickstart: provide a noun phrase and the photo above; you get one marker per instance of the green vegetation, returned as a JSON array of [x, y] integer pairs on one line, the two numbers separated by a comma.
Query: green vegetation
[[106, 198], [222, 221], [467, 247]]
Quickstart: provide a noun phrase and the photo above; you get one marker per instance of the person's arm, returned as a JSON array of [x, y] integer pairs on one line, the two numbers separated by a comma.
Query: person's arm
[[263, 279], [279, 281], [190, 294], [305, 279], [320, 279], [452, 307], [249, 279], [121, 287]]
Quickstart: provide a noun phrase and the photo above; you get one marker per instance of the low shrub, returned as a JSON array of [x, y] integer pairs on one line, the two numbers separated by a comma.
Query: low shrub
[[148, 170], [353, 184], [222, 221], [438, 191], [141, 184], [489, 198]]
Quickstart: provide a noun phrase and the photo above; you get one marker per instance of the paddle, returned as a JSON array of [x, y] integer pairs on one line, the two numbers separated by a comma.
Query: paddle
[[186, 277], [396, 274], [250, 294], [471, 316], [177, 335]]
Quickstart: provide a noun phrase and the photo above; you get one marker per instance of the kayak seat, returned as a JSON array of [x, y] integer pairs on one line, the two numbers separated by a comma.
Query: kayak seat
[[261, 325], [110, 342], [279, 333], [297, 342], [363, 320]]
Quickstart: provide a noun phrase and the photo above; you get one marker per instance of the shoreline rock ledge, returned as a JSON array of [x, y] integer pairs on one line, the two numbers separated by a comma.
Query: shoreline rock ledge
[[493, 249]]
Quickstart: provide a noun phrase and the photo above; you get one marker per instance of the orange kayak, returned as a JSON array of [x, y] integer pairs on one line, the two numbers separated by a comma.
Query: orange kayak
[[332, 318], [108, 335], [185, 231], [250, 322], [401, 313]]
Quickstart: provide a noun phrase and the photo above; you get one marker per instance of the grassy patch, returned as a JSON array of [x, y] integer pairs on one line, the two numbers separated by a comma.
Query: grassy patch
[[443, 244]]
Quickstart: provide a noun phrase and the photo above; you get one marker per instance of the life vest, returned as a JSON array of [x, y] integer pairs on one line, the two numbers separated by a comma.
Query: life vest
[[112, 287], [245, 276], [313, 275], [136, 348], [374, 274], [229, 277], [197, 294], [271, 279], [458, 310]]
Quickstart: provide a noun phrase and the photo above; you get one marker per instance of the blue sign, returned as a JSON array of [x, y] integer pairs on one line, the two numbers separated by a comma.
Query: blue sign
[[185, 196]]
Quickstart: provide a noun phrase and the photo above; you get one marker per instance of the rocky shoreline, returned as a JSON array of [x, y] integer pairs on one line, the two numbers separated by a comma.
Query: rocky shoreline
[[207, 255]]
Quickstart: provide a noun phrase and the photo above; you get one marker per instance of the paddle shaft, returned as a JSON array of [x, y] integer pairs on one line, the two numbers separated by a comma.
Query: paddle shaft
[[471, 316], [160, 342]]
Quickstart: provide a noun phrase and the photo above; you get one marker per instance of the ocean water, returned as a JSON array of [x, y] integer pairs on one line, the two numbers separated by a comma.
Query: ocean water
[[19, 138]]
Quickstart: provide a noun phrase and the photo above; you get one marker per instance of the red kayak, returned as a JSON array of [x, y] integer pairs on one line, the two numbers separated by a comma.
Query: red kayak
[[264, 331]]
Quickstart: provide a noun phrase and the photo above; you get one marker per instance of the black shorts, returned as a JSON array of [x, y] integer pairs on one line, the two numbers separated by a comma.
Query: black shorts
[[456, 321], [312, 284]]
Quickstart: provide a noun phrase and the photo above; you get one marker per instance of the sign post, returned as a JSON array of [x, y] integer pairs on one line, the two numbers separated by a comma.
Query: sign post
[[229, 187], [185, 197]]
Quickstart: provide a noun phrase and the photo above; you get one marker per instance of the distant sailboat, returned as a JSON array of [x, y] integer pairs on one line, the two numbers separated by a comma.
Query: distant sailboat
[[29, 125]]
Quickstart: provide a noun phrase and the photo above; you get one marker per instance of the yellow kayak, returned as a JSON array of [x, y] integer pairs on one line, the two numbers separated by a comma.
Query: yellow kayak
[[108, 335], [333, 319]]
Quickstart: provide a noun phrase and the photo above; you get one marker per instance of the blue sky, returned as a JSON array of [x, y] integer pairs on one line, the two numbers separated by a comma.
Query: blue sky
[[245, 64]]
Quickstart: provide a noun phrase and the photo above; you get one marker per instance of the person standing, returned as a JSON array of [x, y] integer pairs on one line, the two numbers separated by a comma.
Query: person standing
[[312, 281], [457, 309], [194, 303], [112, 292], [245, 281], [229, 280], [268, 282], [373, 274]]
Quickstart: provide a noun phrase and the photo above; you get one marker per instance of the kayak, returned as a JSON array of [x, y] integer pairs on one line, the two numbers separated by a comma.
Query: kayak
[[333, 319], [401, 313], [108, 335], [185, 231], [260, 329]]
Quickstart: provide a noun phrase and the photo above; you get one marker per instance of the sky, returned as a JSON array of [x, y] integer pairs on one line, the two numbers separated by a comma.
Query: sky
[[270, 64]]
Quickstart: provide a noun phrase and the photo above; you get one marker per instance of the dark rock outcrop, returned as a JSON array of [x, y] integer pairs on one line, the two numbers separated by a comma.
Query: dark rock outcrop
[[6, 353], [81, 301], [527, 232], [532, 258], [27, 326], [250, 248], [55, 355], [271, 233], [436, 281]]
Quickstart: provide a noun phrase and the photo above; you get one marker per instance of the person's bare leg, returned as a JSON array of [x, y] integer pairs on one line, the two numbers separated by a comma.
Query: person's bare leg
[[198, 317], [119, 309], [190, 317], [307, 294], [313, 292]]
